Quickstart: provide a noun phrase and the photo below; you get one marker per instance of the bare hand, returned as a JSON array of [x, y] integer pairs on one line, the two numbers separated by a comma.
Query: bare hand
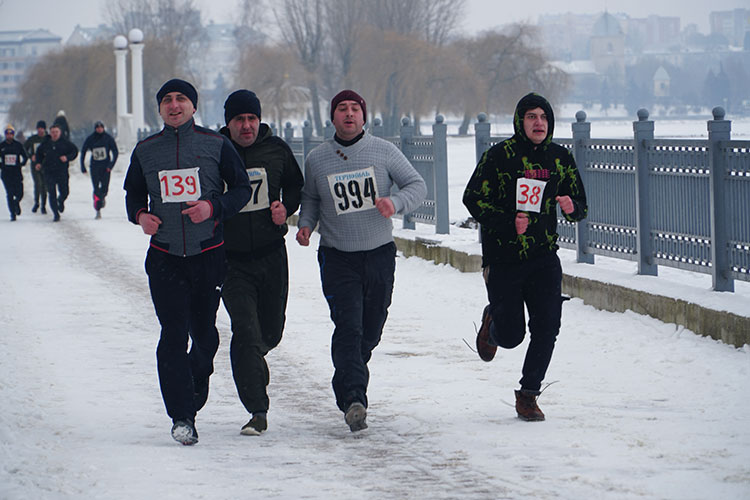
[[149, 223], [278, 213], [566, 204], [63, 158], [385, 207], [522, 222], [303, 236], [38, 167], [198, 212]]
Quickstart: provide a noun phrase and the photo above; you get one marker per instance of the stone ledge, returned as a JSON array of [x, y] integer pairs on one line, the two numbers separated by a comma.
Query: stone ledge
[[727, 327]]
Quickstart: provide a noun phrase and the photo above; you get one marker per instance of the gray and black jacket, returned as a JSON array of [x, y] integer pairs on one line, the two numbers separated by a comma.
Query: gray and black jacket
[[188, 146]]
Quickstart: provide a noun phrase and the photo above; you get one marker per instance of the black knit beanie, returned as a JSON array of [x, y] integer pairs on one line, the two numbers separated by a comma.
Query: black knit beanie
[[181, 86], [348, 95], [240, 102], [41, 124]]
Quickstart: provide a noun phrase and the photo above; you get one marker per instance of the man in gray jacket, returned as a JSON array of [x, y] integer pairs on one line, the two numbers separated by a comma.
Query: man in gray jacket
[[347, 191], [175, 192]]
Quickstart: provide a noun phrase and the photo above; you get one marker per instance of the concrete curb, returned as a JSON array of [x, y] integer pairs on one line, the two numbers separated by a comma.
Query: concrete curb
[[720, 325]]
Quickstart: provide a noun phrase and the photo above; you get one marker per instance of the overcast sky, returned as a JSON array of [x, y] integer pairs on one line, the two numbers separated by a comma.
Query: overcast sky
[[60, 17]]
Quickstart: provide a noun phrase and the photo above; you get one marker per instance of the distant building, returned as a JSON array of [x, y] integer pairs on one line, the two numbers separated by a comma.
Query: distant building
[[661, 83], [86, 36], [732, 24], [19, 51], [607, 47]]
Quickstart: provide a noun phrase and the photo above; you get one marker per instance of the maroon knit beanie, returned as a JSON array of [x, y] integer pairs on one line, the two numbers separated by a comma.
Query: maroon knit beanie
[[348, 95]]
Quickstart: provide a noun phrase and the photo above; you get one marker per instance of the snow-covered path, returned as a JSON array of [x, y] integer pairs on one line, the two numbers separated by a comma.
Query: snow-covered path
[[640, 409]]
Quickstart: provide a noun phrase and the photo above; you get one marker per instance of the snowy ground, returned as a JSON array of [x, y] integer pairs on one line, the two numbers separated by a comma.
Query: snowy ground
[[640, 409]]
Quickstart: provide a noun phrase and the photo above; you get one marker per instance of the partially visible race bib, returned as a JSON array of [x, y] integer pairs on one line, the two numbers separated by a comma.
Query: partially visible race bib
[[179, 185], [10, 160], [259, 187], [529, 194], [353, 191], [99, 153]]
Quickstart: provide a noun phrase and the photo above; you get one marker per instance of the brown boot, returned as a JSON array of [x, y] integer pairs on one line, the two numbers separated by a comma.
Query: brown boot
[[485, 350], [526, 407]]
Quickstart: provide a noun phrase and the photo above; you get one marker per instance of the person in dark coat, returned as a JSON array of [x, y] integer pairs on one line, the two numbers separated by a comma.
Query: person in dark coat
[[257, 285], [54, 156], [12, 158], [103, 157], [31, 145], [175, 190], [514, 194]]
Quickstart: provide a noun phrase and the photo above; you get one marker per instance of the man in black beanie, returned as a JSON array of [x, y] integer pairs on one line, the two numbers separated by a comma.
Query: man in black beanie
[[31, 145], [175, 192], [257, 284]]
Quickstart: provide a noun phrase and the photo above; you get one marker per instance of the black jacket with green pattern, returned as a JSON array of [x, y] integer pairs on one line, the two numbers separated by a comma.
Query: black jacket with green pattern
[[490, 194]]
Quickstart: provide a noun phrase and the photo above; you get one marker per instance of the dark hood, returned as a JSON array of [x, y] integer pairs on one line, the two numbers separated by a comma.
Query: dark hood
[[531, 101]]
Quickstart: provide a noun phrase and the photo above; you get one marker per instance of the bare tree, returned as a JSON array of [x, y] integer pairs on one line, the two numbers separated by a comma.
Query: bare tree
[[274, 75], [77, 80], [343, 23], [301, 25], [172, 25]]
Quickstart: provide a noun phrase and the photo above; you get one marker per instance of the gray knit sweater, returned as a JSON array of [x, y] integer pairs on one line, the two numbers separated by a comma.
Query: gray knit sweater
[[341, 184]]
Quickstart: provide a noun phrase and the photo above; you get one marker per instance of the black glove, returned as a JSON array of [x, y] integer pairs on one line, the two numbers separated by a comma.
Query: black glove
[[83, 169]]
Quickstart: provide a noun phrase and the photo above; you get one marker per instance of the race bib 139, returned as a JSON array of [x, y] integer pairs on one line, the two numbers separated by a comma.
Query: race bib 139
[[180, 185]]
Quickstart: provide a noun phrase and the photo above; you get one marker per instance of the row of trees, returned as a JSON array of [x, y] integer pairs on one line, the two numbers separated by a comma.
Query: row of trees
[[405, 58]]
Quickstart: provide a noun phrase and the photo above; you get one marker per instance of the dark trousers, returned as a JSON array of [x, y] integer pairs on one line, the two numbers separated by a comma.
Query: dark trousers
[[185, 292], [57, 187], [40, 189], [13, 191], [536, 283], [358, 287], [100, 180], [255, 295]]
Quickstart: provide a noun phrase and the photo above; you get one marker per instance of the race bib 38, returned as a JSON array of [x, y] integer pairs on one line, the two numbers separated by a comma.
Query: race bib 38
[[529, 193]]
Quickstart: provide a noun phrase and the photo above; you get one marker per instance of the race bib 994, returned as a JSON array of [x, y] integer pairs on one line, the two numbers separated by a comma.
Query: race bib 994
[[180, 185], [353, 191]]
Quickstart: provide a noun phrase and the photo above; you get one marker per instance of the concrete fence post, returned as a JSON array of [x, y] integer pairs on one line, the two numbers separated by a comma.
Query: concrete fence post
[[377, 128], [481, 135], [440, 165], [643, 131], [307, 132], [582, 132], [719, 130], [406, 134], [288, 133]]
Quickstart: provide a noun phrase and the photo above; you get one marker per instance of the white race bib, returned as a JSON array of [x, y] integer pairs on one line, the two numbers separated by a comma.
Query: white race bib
[[99, 153], [353, 191], [259, 187], [180, 185], [529, 194], [10, 160]]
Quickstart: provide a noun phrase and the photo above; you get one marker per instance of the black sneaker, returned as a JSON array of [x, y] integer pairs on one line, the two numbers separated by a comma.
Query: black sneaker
[[44, 210], [200, 394], [183, 431], [12, 217], [255, 426], [98, 215], [35, 208], [61, 206], [18, 209], [485, 350], [355, 417], [57, 218]]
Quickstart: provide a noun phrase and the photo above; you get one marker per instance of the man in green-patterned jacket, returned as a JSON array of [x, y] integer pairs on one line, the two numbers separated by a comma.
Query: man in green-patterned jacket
[[514, 193]]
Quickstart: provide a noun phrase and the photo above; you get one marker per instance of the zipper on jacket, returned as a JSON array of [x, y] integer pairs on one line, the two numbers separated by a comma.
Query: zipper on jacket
[[182, 217]]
